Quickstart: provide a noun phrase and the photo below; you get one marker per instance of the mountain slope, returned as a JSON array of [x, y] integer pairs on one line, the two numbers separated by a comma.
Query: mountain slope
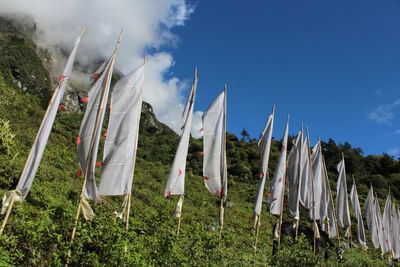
[[39, 230]]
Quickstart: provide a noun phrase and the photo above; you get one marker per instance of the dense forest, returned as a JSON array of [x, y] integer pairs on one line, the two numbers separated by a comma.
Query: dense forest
[[39, 228]]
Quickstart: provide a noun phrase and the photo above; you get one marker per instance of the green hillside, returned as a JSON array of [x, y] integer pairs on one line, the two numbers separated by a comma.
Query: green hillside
[[39, 230]]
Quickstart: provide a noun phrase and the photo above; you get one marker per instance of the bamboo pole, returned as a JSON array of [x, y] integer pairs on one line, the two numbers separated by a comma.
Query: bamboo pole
[[92, 143], [282, 198], [128, 210], [297, 220], [333, 204], [224, 171], [313, 196], [258, 223], [179, 225], [53, 98], [10, 206]]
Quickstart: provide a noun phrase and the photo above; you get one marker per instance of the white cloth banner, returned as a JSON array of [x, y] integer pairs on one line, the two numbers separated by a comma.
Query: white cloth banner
[[357, 212], [176, 179], [278, 182], [122, 134], [264, 146], [88, 131], [39, 145], [342, 200], [214, 161]]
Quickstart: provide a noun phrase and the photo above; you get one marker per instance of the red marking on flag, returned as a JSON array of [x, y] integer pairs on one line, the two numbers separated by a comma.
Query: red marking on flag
[[205, 177], [383, 228], [280, 180], [313, 202], [275, 198], [261, 175], [387, 241], [78, 140], [287, 165], [99, 164], [269, 194], [179, 172], [61, 107], [169, 192], [202, 129], [219, 192], [283, 149], [78, 173], [96, 76], [108, 107], [61, 78], [85, 99], [287, 199], [105, 134], [201, 153]]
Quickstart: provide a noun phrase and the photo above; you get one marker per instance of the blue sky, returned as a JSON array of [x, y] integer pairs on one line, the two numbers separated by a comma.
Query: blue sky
[[332, 65]]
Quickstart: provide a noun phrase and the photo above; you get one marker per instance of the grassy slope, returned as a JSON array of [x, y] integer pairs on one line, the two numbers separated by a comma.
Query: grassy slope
[[39, 229]]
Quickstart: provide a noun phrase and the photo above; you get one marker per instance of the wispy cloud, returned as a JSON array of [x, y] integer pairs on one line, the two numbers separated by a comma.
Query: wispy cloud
[[384, 113], [394, 152]]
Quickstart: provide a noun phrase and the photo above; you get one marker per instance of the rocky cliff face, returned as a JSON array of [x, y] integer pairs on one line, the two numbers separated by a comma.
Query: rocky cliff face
[[33, 70]]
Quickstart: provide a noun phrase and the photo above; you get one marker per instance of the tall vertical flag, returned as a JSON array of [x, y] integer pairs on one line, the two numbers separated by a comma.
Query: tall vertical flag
[[369, 212], [395, 232], [342, 200], [386, 223], [331, 226], [294, 175], [122, 134], [91, 126], [320, 202], [214, 138], [305, 198], [176, 179], [39, 145], [357, 212], [278, 182], [382, 231], [264, 146]]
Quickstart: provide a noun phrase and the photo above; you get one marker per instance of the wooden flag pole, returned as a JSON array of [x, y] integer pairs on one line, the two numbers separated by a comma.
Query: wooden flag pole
[[282, 199], [128, 210], [10, 206], [333, 204], [224, 174], [257, 226], [299, 186], [91, 147], [53, 98], [179, 225], [313, 196]]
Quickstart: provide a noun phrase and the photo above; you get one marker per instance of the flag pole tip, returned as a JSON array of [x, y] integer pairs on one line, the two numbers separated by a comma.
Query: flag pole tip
[[145, 60], [82, 31], [273, 109]]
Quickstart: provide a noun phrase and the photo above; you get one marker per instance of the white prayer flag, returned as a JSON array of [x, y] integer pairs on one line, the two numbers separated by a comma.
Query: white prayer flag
[[357, 212], [278, 182], [176, 179], [122, 134], [369, 211], [342, 201], [294, 175], [320, 196], [264, 145], [91, 129], [214, 161], [39, 145]]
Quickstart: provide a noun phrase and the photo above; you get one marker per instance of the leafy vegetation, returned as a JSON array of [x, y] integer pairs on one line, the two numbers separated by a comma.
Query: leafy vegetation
[[39, 230]]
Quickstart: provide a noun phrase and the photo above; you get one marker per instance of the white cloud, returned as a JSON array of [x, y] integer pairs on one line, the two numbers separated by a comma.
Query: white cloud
[[384, 113], [394, 152], [147, 26]]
